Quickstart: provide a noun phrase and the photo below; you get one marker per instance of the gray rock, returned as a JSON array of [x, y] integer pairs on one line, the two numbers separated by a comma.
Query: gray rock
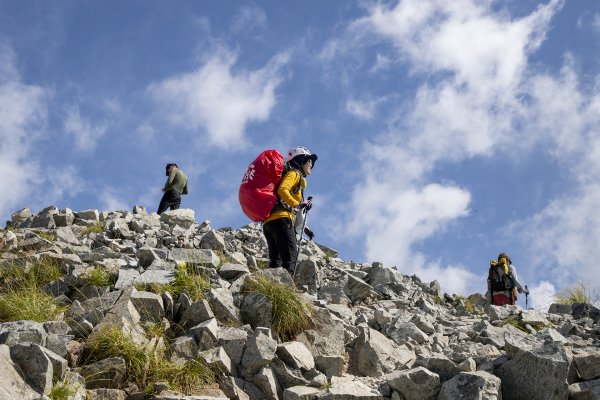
[[258, 353], [415, 384], [301, 393], [479, 385], [588, 364], [556, 308], [146, 256], [182, 349], [256, 310], [233, 271], [344, 388], [213, 241], [308, 275], [296, 355], [233, 340], [357, 289], [18, 218], [218, 360], [539, 373], [195, 257], [222, 303], [127, 277], [13, 386], [439, 364], [88, 215], [268, 384], [197, 312], [401, 331], [149, 306], [333, 295], [33, 360], [183, 217], [108, 373], [106, 394], [205, 334], [589, 390], [139, 210], [377, 355], [15, 332]]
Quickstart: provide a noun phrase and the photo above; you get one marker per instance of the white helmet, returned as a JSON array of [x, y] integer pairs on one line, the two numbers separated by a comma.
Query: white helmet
[[296, 151]]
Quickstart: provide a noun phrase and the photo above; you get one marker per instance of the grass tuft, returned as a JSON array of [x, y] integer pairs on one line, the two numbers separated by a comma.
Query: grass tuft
[[46, 235], [292, 313], [98, 276], [186, 378], [185, 278], [21, 297], [29, 304], [581, 293], [97, 227], [61, 391], [113, 342]]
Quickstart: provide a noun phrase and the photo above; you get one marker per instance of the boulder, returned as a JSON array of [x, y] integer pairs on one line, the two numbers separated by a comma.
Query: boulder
[[108, 373], [478, 385], [296, 355], [537, 373], [415, 384], [13, 385], [258, 353], [377, 355]]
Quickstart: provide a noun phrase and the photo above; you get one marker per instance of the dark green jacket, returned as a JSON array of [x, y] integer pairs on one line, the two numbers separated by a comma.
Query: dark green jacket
[[177, 182]]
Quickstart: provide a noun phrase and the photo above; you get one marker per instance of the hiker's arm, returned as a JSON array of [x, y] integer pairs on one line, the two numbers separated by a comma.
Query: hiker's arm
[[289, 181], [169, 183], [516, 279]]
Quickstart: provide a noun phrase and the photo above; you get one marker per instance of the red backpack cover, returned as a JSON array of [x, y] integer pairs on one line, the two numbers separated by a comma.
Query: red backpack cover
[[257, 193]]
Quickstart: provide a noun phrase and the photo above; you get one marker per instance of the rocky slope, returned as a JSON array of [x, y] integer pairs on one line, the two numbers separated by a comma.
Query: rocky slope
[[375, 333]]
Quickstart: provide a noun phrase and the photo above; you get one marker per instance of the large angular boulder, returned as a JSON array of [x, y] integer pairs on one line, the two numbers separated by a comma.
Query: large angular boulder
[[415, 384], [13, 386], [538, 373], [259, 352], [377, 355], [478, 385]]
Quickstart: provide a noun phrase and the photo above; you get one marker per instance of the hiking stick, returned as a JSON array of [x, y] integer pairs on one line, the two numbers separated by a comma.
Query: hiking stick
[[299, 243]]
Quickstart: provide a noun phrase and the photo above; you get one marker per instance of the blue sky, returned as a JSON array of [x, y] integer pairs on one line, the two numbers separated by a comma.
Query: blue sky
[[446, 131]]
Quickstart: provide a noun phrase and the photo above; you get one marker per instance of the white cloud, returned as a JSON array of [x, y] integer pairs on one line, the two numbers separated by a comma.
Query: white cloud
[[249, 19], [86, 135], [220, 99], [363, 109], [541, 296], [23, 112], [472, 108], [110, 200]]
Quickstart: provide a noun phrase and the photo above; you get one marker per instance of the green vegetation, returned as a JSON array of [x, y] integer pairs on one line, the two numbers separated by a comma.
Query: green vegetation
[[97, 227], [113, 342], [147, 368], [98, 276], [46, 235], [185, 278], [581, 293], [186, 378], [61, 391], [29, 304], [292, 313], [262, 263], [467, 304], [20, 295]]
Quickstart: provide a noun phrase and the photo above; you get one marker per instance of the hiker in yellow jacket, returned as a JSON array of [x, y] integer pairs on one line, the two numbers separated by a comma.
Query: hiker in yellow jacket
[[503, 282], [278, 228]]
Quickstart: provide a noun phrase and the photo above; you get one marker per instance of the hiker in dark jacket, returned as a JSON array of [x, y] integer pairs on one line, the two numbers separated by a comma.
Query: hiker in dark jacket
[[279, 226], [175, 186], [503, 282]]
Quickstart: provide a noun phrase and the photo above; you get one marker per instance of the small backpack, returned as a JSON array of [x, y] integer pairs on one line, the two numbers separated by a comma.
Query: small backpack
[[497, 283]]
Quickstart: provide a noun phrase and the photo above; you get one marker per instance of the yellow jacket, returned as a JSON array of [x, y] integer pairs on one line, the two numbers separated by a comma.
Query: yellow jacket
[[286, 193]]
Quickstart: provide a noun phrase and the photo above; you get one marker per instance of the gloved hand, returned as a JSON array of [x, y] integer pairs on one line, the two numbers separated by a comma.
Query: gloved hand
[[305, 204], [519, 290], [309, 233]]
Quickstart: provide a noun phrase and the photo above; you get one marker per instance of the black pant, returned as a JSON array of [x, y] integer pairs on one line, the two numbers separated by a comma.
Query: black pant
[[170, 199], [281, 240]]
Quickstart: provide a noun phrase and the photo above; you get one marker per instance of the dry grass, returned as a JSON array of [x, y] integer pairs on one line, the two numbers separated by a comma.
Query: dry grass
[[292, 313]]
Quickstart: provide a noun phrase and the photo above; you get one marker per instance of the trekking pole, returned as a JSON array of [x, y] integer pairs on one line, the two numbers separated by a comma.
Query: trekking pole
[[299, 243], [526, 294]]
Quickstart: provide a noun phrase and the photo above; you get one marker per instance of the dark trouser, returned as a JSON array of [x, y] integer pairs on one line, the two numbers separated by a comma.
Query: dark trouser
[[169, 199], [281, 239]]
